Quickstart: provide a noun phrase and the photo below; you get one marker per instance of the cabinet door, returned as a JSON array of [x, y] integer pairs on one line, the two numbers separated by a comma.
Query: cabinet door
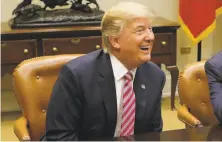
[[162, 43], [17, 50], [77, 45]]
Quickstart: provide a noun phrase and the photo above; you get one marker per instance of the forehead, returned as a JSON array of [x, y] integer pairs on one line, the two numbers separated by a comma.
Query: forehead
[[139, 22]]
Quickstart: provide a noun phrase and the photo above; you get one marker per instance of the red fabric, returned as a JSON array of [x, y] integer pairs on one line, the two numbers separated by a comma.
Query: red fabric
[[198, 15], [219, 4]]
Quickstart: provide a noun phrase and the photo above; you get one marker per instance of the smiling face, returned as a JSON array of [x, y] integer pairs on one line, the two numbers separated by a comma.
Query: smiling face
[[134, 44]]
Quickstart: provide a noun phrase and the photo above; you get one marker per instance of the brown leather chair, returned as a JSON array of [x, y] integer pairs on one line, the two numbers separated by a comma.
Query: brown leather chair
[[196, 109], [33, 81]]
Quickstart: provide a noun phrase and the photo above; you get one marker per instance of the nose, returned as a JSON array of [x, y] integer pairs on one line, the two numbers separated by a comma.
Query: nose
[[149, 36]]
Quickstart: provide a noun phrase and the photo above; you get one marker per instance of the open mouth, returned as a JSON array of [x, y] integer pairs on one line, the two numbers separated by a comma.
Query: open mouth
[[145, 48]]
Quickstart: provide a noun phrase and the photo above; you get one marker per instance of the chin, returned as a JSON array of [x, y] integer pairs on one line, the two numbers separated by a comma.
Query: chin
[[146, 58]]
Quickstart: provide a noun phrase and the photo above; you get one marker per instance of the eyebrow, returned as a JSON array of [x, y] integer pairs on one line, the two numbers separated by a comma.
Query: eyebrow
[[140, 26]]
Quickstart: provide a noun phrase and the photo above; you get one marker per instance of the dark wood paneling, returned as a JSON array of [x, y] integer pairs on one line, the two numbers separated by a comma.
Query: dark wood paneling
[[17, 51], [162, 43], [77, 45]]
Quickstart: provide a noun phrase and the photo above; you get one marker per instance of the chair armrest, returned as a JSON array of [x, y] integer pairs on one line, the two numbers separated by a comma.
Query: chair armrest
[[21, 130], [186, 117]]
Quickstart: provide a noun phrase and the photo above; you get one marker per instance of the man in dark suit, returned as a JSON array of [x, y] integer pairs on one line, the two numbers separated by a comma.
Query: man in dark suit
[[112, 92], [213, 68]]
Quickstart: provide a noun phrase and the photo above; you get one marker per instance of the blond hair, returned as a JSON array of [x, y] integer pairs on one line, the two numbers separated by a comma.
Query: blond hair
[[117, 17]]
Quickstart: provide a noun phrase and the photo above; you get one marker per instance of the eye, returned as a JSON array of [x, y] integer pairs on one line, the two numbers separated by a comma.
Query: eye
[[140, 31]]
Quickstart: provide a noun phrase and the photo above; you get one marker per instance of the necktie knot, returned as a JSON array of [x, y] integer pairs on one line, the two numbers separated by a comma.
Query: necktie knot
[[128, 76]]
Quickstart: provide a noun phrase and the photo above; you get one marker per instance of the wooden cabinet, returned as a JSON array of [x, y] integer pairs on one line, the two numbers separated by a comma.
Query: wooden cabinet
[[17, 50], [75, 45], [20, 44], [162, 43]]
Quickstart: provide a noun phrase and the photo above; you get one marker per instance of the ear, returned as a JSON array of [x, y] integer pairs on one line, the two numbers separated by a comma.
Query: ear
[[114, 42]]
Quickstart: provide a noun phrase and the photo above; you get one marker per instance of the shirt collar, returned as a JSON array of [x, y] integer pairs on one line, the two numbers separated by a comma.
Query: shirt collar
[[119, 69]]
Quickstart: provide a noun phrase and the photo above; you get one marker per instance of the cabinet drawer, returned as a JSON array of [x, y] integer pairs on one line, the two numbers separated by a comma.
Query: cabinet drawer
[[17, 50], [163, 43], [77, 45]]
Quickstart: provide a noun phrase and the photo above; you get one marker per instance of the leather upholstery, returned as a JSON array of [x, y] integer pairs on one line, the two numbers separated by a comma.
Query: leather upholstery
[[33, 81], [196, 109]]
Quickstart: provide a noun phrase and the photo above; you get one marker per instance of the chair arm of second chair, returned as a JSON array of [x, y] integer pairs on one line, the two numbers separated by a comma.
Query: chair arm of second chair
[[185, 116], [21, 129]]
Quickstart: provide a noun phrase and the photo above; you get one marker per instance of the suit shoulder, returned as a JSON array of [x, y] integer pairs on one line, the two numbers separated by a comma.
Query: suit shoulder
[[153, 67], [83, 62], [155, 73], [215, 61]]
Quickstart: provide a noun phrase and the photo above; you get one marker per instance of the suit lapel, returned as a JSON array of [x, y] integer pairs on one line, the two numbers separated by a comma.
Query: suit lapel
[[108, 91], [140, 88]]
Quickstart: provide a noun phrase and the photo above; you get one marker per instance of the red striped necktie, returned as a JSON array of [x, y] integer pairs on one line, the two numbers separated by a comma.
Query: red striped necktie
[[129, 105]]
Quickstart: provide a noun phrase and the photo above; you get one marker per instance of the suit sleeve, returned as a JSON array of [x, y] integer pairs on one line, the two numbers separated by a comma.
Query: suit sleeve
[[215, 86], [64, 109], [157, 121]]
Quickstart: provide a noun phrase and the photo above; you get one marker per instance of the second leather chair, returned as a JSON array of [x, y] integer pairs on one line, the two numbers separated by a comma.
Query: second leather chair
[[196, 109]]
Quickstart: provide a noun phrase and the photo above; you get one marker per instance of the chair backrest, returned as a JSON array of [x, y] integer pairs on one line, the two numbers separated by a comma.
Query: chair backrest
[[194, 93], [33, 80]]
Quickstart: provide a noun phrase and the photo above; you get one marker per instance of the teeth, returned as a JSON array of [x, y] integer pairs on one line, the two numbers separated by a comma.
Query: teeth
[[145, 48]]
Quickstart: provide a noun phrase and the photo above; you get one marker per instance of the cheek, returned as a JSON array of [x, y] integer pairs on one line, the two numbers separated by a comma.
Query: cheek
[[135, 42], [130, 42], [124, 40]]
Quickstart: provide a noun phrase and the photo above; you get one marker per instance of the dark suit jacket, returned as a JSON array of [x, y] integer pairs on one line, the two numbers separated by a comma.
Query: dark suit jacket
[[83, 104], [213, 68]]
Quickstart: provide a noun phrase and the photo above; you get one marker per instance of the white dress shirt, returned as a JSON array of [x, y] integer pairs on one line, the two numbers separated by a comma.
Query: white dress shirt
[[119, 70]]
